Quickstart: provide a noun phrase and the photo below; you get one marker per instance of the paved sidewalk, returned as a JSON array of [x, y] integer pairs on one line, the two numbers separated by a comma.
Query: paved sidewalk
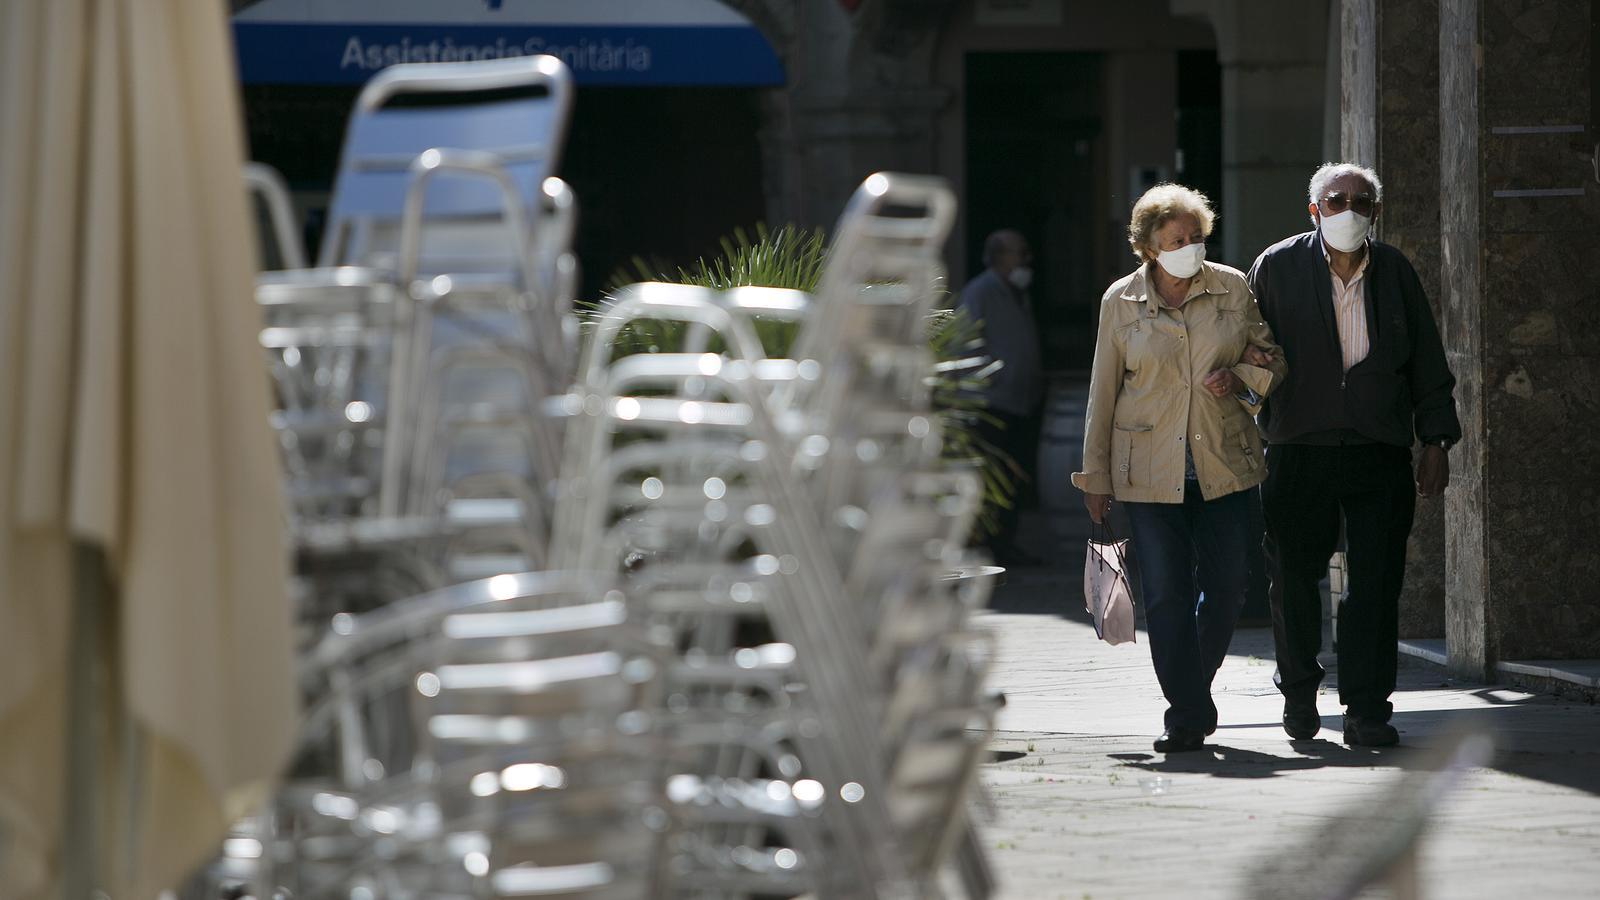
[[1081, 815]]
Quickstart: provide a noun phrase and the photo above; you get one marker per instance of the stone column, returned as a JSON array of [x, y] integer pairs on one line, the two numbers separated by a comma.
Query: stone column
[[839, 141], [1460, 232], [1358, 88], [859, 99], [1408, 160], [1273, 57], [1519, 208]]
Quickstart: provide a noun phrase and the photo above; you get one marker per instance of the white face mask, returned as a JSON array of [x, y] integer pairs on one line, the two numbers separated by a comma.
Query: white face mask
[[1345, 231], [1183, 262], [1020, 277]]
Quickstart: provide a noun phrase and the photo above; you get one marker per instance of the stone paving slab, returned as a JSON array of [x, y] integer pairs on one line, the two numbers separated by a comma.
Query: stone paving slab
[[1082, 814]]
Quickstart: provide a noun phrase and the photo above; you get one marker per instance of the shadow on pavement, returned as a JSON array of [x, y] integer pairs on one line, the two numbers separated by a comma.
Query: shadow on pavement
[[1222, 761], [1539, 737]]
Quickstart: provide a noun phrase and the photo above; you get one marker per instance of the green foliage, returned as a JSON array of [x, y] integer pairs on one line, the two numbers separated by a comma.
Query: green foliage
[[786, 258], [792, 258], [957, 345]]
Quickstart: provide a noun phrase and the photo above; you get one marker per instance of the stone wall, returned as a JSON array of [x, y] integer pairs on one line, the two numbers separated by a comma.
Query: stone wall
[[1520, 210], [1541, 289], [1408, 154], [857, 99]]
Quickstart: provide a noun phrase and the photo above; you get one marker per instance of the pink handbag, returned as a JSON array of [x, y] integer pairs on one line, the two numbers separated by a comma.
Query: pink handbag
[[1106, 593]]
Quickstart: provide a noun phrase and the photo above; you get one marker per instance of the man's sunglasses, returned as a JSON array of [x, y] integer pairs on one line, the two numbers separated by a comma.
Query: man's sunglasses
[[1339, 201]]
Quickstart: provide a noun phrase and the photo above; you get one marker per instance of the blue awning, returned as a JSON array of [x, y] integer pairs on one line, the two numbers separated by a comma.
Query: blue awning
[[604, 42]]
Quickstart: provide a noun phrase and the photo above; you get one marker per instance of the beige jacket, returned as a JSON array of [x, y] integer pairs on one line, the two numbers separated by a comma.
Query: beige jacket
[[1147, 403]]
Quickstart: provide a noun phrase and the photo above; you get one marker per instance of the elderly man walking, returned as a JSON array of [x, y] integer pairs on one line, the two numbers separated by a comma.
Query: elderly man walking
[[1367, 378], [997, 299]]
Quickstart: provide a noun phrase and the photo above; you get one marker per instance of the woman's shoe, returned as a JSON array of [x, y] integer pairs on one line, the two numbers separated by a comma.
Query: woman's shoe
[[1180, 740]]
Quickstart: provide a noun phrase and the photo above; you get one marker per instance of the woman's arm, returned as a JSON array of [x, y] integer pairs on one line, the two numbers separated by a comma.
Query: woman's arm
[[1105, 382], [1263, 370]]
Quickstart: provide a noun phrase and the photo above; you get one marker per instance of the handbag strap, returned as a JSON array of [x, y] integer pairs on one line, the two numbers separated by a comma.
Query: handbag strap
[[1102, 532], [1110, 540]]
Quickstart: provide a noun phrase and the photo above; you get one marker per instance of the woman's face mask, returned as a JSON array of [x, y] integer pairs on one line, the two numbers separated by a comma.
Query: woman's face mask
[[1183, 262]]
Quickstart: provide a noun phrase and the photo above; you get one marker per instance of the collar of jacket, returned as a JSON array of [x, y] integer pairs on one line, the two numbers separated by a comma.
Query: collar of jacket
[[1139, 289]]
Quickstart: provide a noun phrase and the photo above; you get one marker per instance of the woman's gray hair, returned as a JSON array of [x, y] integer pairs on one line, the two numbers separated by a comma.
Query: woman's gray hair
[[1330, 171], [1160, 205]]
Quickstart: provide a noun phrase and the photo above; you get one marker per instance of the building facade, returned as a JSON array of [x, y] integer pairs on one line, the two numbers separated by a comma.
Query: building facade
[[1487, 117], [1052, 117]]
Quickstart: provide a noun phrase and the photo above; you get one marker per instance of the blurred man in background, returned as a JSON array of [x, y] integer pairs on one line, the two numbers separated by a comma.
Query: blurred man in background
[[997, 301]]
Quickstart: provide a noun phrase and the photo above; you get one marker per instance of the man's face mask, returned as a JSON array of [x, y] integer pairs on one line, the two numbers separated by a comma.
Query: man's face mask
[[1345, 231], [1344, 220]]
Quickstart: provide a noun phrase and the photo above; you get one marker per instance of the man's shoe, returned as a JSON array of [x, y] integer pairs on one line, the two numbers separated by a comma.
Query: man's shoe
[[1359, 732], [1300, 719], [1180, 740]]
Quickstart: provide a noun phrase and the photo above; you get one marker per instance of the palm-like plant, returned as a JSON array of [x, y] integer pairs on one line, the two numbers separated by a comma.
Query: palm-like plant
[[792, 258]]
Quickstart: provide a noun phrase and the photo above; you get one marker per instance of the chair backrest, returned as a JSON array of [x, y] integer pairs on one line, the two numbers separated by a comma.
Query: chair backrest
[[515, 109], [884, 265], [280, 242]]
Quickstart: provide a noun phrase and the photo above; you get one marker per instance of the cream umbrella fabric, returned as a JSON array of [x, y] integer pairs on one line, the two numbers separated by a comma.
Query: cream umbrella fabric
[[133, 419]]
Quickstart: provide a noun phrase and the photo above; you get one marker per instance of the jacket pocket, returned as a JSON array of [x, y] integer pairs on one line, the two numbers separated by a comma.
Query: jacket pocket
[[1232, 333], [1146, 350], [1242, 441], [1130, 454]]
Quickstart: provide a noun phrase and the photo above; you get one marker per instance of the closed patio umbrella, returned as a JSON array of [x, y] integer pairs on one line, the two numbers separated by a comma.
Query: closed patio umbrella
[[137, 469]]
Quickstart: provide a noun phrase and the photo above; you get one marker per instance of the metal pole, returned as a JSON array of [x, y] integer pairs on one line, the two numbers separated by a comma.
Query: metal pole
[[80, 851]]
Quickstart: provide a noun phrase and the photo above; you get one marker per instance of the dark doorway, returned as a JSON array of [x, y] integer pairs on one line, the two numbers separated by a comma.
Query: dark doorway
[[661, 173], [1033, 148], [1199, 163]]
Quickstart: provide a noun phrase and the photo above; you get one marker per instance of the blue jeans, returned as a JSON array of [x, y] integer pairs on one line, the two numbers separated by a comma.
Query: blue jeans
[[1193, 560]]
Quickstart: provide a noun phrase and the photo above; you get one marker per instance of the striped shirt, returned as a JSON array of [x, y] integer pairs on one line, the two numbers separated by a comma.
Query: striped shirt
[[1350, 311]]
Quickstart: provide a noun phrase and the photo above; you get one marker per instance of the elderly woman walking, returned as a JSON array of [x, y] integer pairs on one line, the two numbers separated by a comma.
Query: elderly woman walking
[[1182, 361]]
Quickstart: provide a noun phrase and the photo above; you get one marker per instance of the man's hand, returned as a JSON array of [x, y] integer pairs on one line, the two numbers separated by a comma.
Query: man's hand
[[1223, 383], [1433, 471], [1098, 505], [1255, 356]]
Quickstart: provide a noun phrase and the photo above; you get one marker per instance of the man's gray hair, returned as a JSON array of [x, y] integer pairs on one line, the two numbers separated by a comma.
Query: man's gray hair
[[1330, 171], [1001, 241]]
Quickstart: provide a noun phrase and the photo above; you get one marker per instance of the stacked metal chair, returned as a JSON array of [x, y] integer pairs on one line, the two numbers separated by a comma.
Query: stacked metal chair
[[800, 500], [689, 502], [902, 517], [524, 706], [630, 625], [411, 369], [413, 363]]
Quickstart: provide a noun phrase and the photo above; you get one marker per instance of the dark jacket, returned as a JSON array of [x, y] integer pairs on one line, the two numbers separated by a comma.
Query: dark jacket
[[1402, 388], [1009, 335]]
